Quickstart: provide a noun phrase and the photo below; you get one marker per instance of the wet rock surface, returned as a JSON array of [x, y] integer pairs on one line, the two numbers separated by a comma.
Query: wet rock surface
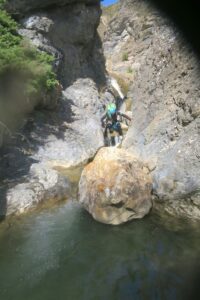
[[44, 184], [163, 74], [115, 187]]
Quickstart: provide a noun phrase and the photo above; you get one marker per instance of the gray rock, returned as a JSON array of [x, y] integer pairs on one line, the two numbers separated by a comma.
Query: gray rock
[[64, 29], [43, 44], [164, 86], [44, 184], [84, 95], [62, 139], [70, 39], [23, 197], [81, 132], [70, 133]]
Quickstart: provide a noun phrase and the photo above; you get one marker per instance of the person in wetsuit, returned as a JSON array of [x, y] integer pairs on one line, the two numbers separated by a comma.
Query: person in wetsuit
[[111, 121]]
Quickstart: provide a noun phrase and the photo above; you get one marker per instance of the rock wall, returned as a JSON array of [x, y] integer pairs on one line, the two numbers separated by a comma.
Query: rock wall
[[67, 30], [22, 7], [163, 74], [67, 136], [64, 29]]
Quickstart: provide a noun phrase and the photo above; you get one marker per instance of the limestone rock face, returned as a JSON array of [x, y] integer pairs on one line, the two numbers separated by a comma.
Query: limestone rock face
[[67, 30], [115, 188], [45, 184], [69, 133], [163, 72], [51, 140]]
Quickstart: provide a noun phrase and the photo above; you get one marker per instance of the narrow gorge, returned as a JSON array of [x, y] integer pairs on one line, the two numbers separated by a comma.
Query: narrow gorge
[[154, 67], [61, 64]]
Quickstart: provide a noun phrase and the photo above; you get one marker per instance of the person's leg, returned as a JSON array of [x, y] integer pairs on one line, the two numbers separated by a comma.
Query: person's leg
[[119, 129], [120, 133], [112, 140], [106, 137]]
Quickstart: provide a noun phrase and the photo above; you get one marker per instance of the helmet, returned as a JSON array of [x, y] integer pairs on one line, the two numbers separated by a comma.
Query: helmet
[[111, 109]]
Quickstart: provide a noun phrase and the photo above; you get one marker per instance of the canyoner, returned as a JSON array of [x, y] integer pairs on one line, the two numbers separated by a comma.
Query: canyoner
[[111, 122]]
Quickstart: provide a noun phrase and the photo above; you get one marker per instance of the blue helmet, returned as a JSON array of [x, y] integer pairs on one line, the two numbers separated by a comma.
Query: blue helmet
[[111, 109]]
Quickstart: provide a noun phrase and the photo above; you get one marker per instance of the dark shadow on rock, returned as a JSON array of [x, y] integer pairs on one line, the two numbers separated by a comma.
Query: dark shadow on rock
[[186, 16], [16, 157], [192, 289], [3, 204], [98, 63], [75, 45], [93, 67]]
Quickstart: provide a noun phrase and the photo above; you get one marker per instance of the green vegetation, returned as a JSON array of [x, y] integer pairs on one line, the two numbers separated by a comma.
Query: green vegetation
[[125, 56], [129, 70], [17, 55]]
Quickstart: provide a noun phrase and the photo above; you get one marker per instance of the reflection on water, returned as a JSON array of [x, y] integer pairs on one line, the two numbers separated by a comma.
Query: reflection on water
[[62, 253]]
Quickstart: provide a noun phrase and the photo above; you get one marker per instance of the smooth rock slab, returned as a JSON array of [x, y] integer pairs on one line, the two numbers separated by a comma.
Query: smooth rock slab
[[115, 187], [44, 184]]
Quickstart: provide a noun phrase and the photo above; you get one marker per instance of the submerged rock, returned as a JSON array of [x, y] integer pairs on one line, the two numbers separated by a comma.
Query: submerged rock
[[115, 188]]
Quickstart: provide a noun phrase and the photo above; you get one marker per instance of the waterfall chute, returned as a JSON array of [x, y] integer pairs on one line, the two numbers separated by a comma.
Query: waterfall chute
[[116, 86], [121, 104]]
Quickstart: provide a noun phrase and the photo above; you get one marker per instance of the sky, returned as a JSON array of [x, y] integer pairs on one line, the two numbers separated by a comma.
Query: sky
[[108, 2]]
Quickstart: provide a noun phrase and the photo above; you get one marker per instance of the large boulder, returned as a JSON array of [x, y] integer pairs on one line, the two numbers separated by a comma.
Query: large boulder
[[115, 187]]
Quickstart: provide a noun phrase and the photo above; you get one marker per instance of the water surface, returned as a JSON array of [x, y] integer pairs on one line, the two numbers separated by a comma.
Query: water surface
[[62, 253]]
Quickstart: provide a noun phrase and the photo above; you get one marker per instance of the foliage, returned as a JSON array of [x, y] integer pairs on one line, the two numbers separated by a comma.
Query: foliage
[[125, 56], [16, 54], [129, 70]]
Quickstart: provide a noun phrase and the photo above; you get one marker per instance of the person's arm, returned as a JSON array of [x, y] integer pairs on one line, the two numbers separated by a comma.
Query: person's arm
[[124, 116], [103, 118]]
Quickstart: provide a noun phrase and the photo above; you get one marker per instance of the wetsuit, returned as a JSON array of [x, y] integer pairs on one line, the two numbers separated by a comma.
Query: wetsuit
[[113, 124]]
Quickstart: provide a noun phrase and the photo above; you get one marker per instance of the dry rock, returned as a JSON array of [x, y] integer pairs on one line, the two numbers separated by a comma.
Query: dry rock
[[165, 92], [114, 188]]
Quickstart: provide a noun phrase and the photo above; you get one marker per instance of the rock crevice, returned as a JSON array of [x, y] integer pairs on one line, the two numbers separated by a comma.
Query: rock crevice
[[163, 73]]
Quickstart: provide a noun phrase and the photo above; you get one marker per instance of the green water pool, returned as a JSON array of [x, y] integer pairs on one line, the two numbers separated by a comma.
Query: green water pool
[[62, 253]]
